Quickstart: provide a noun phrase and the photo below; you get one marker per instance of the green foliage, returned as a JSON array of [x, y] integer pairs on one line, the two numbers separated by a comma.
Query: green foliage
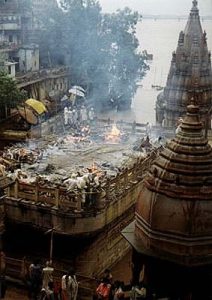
[[101, 50], [10, 95]]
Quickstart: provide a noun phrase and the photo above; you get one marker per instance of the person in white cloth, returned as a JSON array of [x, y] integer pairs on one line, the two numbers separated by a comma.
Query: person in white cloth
[[47, 275]]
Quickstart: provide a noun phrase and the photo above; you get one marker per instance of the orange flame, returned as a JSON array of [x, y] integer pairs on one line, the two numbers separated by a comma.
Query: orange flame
[[94, 168], [114, 135]]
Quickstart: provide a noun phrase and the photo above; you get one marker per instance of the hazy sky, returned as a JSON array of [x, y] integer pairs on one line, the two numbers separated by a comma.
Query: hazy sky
[[158, 6]]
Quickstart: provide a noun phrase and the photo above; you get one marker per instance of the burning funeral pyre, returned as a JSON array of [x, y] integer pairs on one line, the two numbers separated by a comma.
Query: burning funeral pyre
[[68, 161], [76, 166], [114, 136]]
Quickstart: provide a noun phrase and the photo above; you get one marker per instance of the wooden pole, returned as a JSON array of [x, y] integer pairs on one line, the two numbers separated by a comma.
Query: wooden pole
[[51, 245], [206, 126]]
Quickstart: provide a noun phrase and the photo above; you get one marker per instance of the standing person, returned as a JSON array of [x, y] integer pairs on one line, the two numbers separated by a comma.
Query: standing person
[[50, 291], [2, 275], [79, 115], [148, 128], [70, 117], [3, 287], [69, 286], [84, 115], [134, 127], [107, 276], [91, 115], [35, 279], [64, 287], [73, 285], [138, 292], [48, 294], [47, 275], [118, 290], [74, 118], [65, 114]]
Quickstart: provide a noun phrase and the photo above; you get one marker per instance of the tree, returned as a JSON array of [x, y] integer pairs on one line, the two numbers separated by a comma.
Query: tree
[[126, 64], [10, 95], [100, 49]]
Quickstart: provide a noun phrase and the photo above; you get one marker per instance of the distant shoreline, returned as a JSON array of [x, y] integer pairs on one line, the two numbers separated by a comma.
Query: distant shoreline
[[173, 17]]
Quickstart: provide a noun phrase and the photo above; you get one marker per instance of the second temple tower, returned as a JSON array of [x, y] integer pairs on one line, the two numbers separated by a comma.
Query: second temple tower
[[190, 71]]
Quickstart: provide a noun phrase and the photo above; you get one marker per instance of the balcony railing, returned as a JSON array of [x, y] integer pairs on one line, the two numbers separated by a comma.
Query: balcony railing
[[72, 201], [22, 78], [9, 45]]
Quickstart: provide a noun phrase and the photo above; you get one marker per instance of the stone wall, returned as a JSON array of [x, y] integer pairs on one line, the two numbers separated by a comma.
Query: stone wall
[[1, 220], [20, 210], [107, 249], [29, 58], [45, 84]]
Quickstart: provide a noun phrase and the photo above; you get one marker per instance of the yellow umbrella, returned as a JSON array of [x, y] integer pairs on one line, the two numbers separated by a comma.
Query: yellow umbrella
[[38, 106]]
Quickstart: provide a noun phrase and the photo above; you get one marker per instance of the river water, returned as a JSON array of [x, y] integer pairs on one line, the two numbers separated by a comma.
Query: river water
[[160, 38]]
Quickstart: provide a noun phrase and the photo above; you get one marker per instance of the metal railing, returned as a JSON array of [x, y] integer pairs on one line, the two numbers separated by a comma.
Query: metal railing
[[18, 270]]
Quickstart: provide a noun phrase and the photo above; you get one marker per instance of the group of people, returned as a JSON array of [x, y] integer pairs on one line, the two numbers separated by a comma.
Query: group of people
[[78, 115], [109, 290], [40, 281], [69, 286], [41, 285]]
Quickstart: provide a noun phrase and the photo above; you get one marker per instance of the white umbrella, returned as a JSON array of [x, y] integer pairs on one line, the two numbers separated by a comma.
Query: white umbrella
[[64, 98], [77, 92], [77, 87]]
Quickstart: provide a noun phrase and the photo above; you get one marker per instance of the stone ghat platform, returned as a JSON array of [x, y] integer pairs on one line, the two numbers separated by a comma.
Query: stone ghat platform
[[77, 185], [86, 220], [66, 212]]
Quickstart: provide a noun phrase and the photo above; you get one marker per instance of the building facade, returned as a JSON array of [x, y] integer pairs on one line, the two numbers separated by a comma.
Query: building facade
[[19, 49], [15, 28]]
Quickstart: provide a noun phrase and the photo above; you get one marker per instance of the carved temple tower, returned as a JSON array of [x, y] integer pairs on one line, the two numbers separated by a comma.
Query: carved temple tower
[[172, 233], [190, 71]]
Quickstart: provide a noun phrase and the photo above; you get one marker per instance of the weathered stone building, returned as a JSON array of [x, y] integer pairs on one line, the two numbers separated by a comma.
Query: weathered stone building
[[173, 229], [16, 24], [190, 70], [45, 83], [19, 51]]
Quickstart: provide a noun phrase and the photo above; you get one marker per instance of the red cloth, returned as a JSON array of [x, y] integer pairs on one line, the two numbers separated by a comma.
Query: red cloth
[[57, 288], [103, 291], [64, 295]]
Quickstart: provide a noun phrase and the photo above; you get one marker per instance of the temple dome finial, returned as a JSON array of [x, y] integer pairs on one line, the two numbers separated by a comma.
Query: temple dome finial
[[195, 3]]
